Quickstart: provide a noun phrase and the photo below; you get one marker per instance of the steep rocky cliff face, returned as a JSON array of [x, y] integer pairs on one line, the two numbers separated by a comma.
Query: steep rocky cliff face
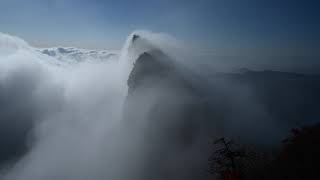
[[176, 118], [166, 110]]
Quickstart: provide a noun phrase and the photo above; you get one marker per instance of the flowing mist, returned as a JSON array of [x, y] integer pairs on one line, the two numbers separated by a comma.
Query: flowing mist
[[67, 118], [81, 120]]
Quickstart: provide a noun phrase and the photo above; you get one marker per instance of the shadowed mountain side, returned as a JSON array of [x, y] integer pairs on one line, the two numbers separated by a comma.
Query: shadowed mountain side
[[290, 98]]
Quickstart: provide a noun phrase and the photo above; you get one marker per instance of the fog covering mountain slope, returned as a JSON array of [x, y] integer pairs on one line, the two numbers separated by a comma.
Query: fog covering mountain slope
[[182, 114], [147, 114]]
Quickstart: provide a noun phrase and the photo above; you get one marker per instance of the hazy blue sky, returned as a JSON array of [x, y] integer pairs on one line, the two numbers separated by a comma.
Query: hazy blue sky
[[223, 26]]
